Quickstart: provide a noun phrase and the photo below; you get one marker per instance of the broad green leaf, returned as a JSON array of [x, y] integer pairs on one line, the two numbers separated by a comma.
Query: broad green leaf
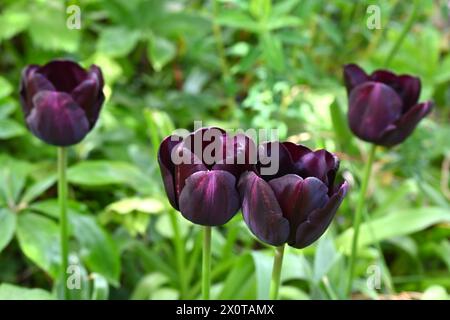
[[240, 282], [128, 205], [10, 129], [49, 30], [98, 251], [101, 173], [8, 107], [7, 227], [36, 189], [324, 259], [393, 225], [117, 41], [160, 52], [341, 130], [146, 287], [13, 21], [40, 242], [5, 88], [13, 175], [13, 292]]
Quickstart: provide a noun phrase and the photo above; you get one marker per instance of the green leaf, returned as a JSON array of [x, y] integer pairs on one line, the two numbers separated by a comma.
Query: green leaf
[[10, 129], [128, 205], [7, 227], [239, 20], [325, 257], [393, 225], [117, 41], [240, 282], [160, 52], [12, 292], [101, 173], [7, 108], [49, 30], [13, 21], [260, 9], [36, 189], [98, 252], [5, 88], [39, 240], [272, 51], [341, 130]]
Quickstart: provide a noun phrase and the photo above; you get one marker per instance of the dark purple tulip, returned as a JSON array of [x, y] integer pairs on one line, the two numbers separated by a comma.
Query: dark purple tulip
[[296, 204], [200, 173], [61, 101], [383, 106]]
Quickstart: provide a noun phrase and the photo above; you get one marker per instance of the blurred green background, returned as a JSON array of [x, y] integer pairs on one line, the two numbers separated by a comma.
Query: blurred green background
[[236, 64]]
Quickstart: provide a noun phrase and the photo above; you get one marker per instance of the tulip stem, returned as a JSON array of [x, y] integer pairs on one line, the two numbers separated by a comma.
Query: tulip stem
[[276, 272], [206, 265], [358, 216], [62, 199]]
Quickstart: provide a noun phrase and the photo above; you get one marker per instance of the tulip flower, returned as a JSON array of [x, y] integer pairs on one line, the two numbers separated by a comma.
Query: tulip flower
[[61, 101], [297, 206], [383, 110], [293, 205], [200, 174], [383, 106]]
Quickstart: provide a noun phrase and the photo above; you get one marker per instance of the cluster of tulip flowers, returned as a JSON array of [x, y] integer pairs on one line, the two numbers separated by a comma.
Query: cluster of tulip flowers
[[209, 175]]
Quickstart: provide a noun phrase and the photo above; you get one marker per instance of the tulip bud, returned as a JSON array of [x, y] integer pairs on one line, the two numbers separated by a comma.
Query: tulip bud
[[61, 101], [383, 106]]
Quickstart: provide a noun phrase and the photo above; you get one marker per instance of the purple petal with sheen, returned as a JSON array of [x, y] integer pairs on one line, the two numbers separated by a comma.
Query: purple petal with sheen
[[209, 198], [354, 76], [404, 127], [318, 221], [57, 119], [167, 167], [261, 210], [373, 107], [298, 198]]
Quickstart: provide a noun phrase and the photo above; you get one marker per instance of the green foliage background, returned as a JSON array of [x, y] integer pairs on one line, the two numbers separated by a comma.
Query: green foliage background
[[236, 64]]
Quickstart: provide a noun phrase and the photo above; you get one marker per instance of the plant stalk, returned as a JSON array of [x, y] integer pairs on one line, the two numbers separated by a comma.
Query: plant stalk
[[276, 272], [64, 233], [206, 263]]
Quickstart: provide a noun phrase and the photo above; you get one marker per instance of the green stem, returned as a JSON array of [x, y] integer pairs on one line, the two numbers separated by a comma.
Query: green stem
[[276, 272], [358, 216], [206, 265], [403, 34], [62, 199], [180, 254]]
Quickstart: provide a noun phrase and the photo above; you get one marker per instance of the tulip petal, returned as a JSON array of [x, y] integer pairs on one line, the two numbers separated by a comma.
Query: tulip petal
[[189, 164], [373, 108], [167, 167], [318, 221], [274, 160], [198, 140], [209, 198], [261, 210], [238, 154], [296, 151], [407, 87], [57, 119], [31, 83], [88, 94], [354, 76], [320, 164], [298, 198], [65, 75], [406, 125], [409, 91]]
